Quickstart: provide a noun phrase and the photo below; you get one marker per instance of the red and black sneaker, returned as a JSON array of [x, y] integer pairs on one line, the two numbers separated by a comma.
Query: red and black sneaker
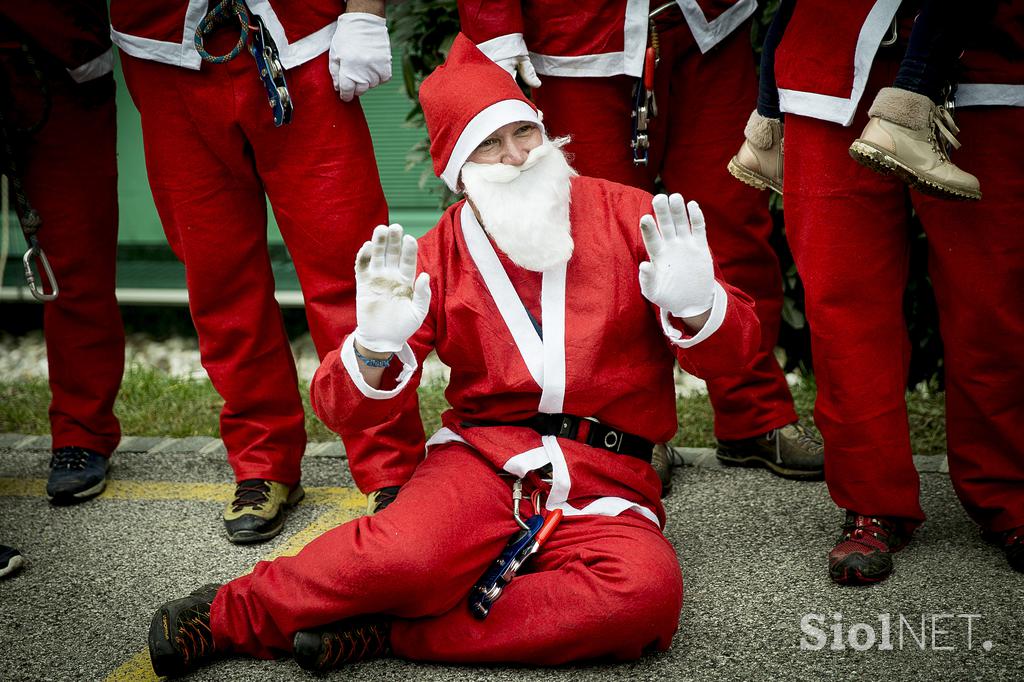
[[863, 554]]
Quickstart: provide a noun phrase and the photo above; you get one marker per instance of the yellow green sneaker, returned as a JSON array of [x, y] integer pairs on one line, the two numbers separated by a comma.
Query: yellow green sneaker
[[259, 509]]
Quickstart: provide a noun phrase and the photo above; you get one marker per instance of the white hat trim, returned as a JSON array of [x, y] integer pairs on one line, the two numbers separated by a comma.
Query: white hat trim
[[480, 127]]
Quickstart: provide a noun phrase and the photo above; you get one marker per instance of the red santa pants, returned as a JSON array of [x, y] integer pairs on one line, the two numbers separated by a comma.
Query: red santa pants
[[71, 179], [847, 226], [703, 105], [600, 587], [213, 157]]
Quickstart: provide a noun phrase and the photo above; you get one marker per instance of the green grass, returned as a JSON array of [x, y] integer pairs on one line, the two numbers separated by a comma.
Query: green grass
[[154, 404]]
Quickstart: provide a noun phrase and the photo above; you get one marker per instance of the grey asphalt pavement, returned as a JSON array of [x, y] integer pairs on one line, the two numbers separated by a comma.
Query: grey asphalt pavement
[[752, 549]]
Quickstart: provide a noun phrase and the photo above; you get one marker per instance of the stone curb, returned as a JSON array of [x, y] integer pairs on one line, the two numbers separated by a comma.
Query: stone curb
[[695, 457]]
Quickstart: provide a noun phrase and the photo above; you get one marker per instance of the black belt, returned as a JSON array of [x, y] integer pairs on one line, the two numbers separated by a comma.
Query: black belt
[[583, 430]]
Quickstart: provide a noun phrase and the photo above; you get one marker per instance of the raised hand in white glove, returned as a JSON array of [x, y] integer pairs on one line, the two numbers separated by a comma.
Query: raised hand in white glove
[[389, 306], [680, 277], [510, 53], [360, 56]]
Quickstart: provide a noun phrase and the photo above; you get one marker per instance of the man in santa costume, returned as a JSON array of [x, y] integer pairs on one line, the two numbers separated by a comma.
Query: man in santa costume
[[214, 156], [590, 56], [57, 100], [560, 304], [847, 227]]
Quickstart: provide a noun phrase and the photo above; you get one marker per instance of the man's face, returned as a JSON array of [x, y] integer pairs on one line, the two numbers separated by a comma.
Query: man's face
[[518, 184], [509, 144]]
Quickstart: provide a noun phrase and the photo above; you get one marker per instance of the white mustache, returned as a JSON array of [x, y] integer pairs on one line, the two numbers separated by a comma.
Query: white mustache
[[505, 173]]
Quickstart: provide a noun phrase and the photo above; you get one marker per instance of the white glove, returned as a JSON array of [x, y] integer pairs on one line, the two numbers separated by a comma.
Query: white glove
[[389, 307], [360, 56], [510, 53], [524, 66], [680, 277]]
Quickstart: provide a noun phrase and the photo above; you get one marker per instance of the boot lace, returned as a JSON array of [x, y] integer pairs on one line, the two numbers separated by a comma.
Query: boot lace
[[194, 637], [70, 458], [806, 439], [253, 494], [356, 642], [942, 121]]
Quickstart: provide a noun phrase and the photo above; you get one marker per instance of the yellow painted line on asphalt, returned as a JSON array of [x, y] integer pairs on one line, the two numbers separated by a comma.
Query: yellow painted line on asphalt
[[342, 505], [176, 491]]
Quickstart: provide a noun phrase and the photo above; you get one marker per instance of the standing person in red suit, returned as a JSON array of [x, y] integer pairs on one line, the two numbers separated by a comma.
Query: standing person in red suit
[[214, 154], [588, 56], [561, 305], [56, 78], [847, 227]]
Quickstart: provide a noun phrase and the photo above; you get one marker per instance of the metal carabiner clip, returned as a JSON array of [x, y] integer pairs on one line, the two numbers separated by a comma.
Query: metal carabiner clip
[[894, 34], [271, 72], [36, 251]]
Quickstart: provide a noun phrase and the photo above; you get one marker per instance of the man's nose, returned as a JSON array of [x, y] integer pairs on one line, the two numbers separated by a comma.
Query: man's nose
[[515, 155]]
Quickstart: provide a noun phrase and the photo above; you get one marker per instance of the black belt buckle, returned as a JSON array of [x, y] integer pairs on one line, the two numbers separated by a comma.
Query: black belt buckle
[[268, 62]]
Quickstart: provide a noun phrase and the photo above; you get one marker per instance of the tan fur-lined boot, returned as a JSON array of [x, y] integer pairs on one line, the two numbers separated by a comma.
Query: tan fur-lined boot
[[907, 137], [758, 163]]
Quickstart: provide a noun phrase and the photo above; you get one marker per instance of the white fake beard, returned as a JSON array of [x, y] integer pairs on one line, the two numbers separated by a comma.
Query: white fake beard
[[525, 209]]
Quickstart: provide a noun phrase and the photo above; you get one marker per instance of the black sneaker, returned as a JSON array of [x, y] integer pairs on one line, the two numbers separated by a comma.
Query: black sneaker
[[379, 499], [1012, 543], [792, 452], [180, 638], [258, 510], [11, 561], [76, 474], [347, 641]]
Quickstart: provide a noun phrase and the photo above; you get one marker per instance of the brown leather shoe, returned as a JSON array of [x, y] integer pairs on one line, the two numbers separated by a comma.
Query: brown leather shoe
[[792, 452], [663, 458], [907, 137], [758, 163]]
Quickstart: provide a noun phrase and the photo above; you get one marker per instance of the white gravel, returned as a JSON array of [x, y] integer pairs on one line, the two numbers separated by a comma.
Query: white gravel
[[24, 357]]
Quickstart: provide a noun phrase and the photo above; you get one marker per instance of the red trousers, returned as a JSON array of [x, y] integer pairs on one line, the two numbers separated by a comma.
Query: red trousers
[[703, 105], [71, 178], [600, 587], [213, 157], [847, 227]]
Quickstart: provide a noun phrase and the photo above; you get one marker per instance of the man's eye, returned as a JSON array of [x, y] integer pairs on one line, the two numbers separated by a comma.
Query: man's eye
[[525, 130], [487, 143]]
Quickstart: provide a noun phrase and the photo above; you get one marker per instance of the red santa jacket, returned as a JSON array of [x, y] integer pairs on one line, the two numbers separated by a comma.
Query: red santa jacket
[[606, 352], [826, 53], [75, 33], [165, 31], [589, 37]]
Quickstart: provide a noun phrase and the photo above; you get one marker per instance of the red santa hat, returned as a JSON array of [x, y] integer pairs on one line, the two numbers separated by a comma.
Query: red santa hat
[[465, 100]]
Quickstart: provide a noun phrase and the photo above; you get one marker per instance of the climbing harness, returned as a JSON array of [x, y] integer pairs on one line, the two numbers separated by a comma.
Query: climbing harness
[[253, 36]]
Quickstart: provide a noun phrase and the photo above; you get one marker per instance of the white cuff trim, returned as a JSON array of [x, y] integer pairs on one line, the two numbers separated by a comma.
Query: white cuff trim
[[989, 94], [718, 308], [445, 435], [94, 68], [511, 45], [348, 359]]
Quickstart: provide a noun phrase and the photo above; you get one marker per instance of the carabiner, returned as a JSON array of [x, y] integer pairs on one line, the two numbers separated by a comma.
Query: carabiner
[[36, 251], [894, 34]]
